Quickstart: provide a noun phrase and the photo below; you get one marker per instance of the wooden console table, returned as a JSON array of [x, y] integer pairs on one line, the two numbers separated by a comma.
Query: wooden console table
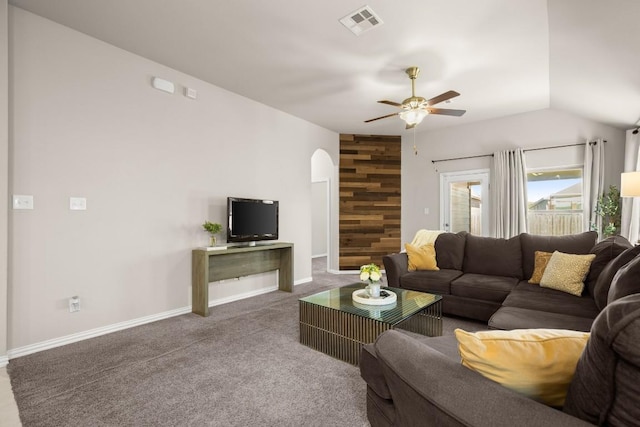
[[234, 262]]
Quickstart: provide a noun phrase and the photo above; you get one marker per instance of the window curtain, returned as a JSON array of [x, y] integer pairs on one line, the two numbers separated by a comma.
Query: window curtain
[[509, 193], [630, 220], [592, 183]]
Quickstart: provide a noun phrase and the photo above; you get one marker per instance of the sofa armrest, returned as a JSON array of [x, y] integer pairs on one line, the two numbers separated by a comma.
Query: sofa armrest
[[395, 265], [427, 385]]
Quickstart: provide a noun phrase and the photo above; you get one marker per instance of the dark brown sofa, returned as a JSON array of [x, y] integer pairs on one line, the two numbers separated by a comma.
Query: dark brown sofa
[[414, 380], [486, 279]]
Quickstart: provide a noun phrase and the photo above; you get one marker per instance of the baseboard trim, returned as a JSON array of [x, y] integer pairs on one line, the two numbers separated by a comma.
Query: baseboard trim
[[301, 281], [92, 333]]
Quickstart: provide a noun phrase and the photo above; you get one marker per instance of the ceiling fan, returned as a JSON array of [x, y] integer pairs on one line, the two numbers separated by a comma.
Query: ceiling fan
[[417, 108]]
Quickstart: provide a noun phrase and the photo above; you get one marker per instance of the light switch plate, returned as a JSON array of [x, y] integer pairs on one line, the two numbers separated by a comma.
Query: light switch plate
[[22, 201], [77, 203]]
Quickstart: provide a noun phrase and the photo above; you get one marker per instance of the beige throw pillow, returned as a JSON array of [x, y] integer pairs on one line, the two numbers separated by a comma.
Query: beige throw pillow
[[539, 363], [566, 272], [540, 264]]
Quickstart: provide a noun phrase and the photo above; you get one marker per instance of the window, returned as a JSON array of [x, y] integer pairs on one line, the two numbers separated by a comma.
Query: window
[[555, 201]]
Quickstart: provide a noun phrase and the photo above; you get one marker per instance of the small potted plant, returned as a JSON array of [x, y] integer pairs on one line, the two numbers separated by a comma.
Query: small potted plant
[[212, 228], [370, 273]]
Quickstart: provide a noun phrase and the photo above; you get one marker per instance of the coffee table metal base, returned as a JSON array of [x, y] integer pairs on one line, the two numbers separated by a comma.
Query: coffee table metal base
[[342, 335]]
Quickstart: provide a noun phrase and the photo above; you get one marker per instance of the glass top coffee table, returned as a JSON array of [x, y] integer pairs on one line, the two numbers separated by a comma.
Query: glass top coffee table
[[331, 322]]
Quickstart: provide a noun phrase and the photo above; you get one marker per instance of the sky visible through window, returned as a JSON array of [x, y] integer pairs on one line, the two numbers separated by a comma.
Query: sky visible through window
[[537, 190]]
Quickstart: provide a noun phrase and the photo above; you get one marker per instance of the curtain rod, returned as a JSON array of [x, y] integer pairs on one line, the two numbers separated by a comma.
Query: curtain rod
[[529, 149], [461, 158], [561, 146]]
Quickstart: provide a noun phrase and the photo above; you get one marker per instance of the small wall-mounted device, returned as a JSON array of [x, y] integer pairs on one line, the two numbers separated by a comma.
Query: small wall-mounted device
[[190, 93], [163, 85], [78, 203], [74, 304]]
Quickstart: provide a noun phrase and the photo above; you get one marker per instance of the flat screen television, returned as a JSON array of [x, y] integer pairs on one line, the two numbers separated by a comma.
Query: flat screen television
[[251, 220]]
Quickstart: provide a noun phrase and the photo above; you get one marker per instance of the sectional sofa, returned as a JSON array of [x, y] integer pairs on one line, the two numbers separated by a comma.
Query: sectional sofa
[[414, 380], [486, 279]]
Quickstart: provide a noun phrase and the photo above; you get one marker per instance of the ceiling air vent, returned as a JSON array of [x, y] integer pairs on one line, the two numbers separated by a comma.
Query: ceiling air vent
[[361, 20]]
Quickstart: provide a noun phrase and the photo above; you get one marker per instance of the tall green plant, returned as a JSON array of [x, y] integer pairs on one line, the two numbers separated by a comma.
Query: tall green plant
[[608, 208]]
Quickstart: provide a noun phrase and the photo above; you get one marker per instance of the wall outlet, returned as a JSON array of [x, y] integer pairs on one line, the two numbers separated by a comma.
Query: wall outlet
[[77, 203], [74, 304]]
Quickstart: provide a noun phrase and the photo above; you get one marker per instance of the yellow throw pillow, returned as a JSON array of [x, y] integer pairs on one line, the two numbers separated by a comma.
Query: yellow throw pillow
[[566, 272], [540, 264], [538, 363], [421, 258]]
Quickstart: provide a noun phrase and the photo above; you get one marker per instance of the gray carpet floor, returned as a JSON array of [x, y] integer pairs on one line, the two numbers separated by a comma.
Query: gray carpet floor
[[241, 366]]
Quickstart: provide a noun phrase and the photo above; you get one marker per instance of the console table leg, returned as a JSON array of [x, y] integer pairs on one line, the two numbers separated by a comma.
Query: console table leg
[[285, 270], [200, 283]]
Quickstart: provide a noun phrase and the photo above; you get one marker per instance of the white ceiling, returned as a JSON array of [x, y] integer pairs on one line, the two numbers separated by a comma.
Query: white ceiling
[[504, 56]]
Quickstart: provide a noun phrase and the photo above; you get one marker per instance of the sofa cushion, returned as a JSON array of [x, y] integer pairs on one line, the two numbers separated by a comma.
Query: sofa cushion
[[626, 281], [538, 363], [571, 244], [450, 250], [523, 285], [421, 257], [567, 272], [553, 302], [437, 282], [540, 264], [370, 371], [445, 344], [605, 387], [494, 257], [381, 411], [522, 318], [601, 289], [483, 287], [605, 251]]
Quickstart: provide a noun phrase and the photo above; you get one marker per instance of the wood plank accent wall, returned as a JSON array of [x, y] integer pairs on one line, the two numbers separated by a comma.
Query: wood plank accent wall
[[369, 199]]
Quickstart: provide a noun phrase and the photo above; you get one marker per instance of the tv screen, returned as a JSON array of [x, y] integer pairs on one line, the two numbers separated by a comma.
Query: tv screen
[[250, 220]]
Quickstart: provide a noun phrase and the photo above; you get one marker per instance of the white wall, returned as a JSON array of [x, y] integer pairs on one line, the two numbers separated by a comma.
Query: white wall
[[153, 167], [420, 178], [319, 218], [325, 167], [4, 173]]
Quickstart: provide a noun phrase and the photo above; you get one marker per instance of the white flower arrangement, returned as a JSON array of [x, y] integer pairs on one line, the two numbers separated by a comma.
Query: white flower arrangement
[[370, 273]]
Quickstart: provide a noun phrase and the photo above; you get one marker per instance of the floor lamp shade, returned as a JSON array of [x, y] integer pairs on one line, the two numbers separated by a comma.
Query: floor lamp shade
[[630, 184]]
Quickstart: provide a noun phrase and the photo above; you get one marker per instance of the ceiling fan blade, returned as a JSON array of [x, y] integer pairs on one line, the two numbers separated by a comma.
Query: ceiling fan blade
[[446, 111], [383, 117], [442, 97], [395, 104]]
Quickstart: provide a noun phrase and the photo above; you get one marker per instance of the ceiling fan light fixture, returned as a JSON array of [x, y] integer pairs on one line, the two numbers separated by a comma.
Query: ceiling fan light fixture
[[415, 108], [413, 116]]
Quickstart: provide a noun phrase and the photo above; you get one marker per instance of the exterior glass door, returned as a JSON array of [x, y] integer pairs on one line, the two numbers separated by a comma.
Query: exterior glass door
[[464, 202]]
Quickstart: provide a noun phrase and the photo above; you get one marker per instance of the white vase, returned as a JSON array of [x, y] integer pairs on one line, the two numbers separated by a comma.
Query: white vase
[[374, 289]]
